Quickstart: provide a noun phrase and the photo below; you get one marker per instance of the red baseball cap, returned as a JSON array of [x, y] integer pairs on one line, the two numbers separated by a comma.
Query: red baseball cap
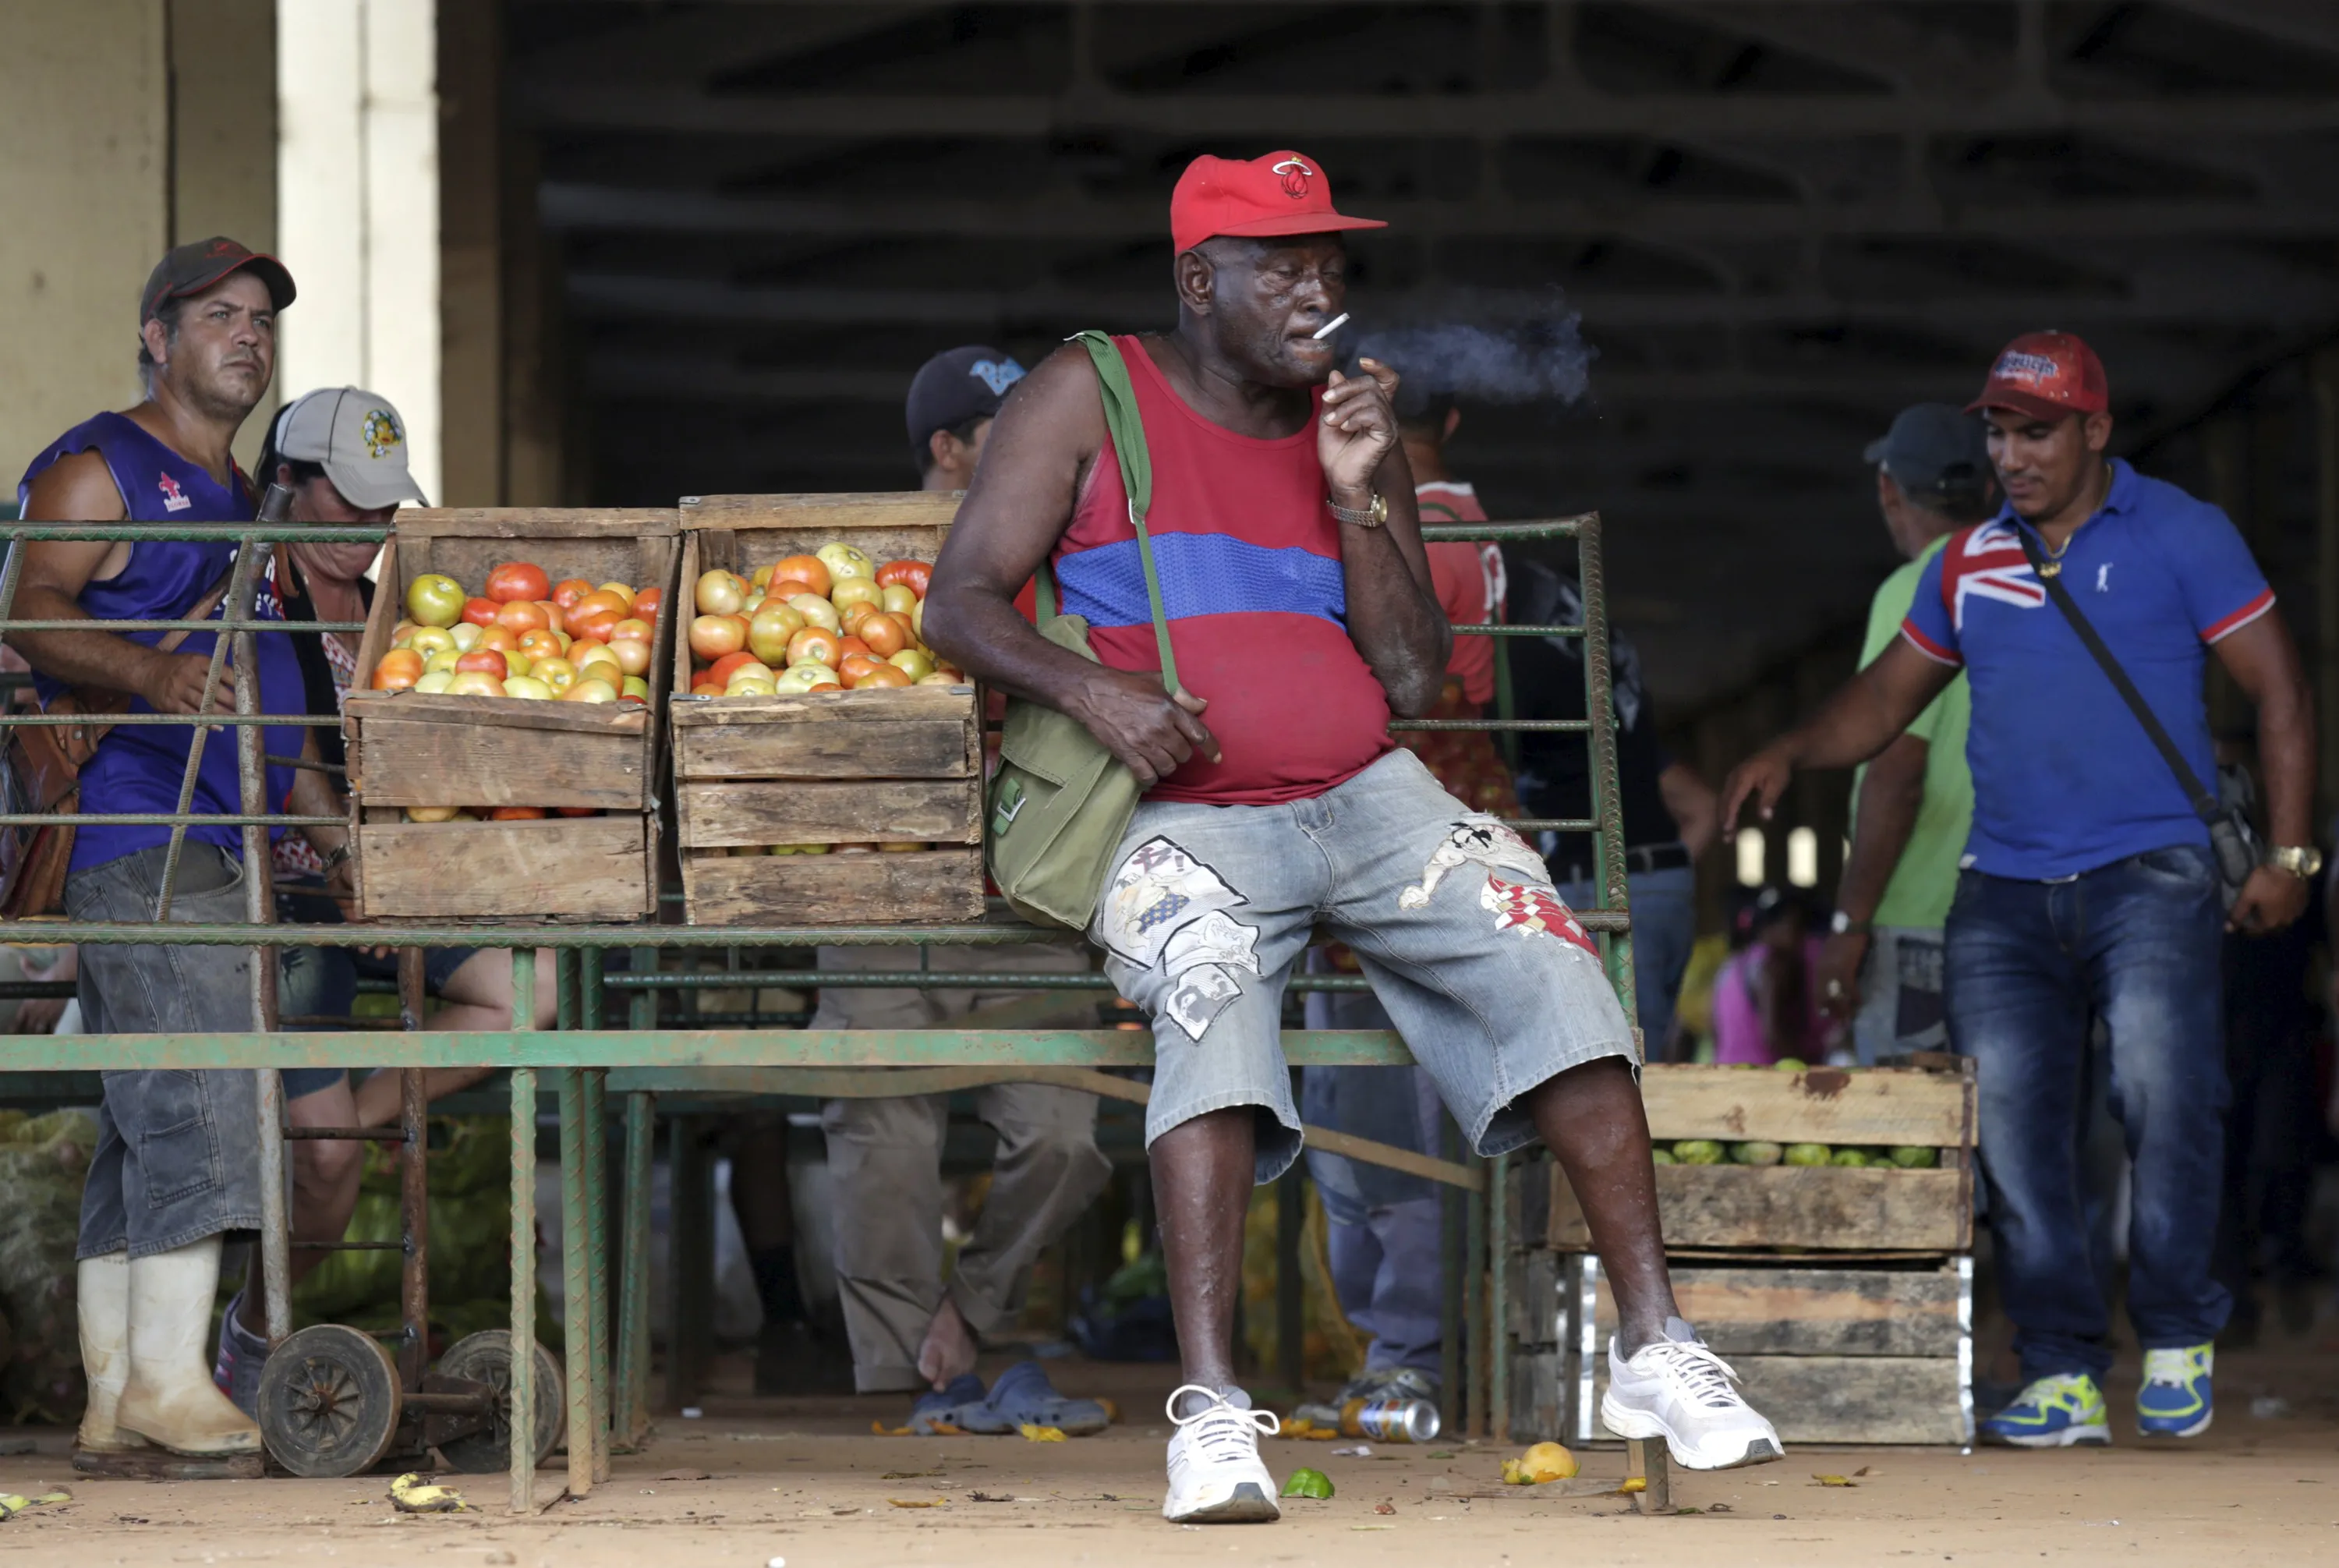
[[199, 265], [1283, 193], [2046, 375]]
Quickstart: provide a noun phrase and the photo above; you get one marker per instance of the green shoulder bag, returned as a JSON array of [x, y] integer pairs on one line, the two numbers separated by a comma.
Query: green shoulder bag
[[1061, 801]]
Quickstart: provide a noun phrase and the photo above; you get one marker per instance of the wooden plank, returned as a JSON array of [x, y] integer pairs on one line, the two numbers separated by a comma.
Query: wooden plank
[[1815, 1207], [489, 765], [1880, 1105], [537, 522], [834, 890], [583, 868], [1536, 1316], [1848, 1398], [863, 811], [835, 512], [904, 733], [1759, 1311], [620, 721]]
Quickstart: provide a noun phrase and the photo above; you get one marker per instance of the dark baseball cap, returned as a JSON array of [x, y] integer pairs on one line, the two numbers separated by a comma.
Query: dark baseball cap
[[1934, 449], [959, 385], [192, 267]]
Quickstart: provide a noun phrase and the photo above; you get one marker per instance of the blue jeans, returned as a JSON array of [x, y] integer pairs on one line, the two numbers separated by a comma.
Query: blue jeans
[[1664, 929], [2029, 965]]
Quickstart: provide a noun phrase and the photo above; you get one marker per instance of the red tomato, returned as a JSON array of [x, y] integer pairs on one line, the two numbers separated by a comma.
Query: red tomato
[[577, 810], [646, 603], [916, 574], [598, 624], [481, 612], [811, 570], [518, 580], [815, 645], [885, 634], [397, 670], [517, 814], [487, 661], [523, 615], [720, 671], [569, 590], [849, 644]]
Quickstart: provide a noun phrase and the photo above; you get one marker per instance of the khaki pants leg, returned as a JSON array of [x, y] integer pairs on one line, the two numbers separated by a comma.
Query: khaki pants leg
[[1048, 1170], [885, 1156]]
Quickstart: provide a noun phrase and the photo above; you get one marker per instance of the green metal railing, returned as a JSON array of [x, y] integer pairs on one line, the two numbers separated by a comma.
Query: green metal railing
[[608, 1365]]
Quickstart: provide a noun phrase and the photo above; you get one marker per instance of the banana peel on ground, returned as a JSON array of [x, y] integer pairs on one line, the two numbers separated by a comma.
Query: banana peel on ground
[[411, 1495], [13, 1504], [1036, 1434]]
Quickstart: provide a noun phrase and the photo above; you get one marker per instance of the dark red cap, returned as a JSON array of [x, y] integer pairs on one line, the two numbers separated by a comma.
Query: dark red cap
[[2046, 375], [192, 267], [1281, 193]]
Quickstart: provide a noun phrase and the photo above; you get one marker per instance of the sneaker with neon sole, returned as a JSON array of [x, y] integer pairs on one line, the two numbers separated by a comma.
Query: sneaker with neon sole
[[1216, 1475], [2175, 1399], [1678, 1389], [2061, 1411]]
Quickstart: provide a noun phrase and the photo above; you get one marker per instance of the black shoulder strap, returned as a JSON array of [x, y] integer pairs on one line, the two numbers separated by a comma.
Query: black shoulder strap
[[2051, 577]]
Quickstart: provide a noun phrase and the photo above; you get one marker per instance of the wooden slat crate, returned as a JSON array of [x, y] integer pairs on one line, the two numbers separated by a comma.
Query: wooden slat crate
[[902, 765], [1842, 1296], [408, 748], [1852, 1353]]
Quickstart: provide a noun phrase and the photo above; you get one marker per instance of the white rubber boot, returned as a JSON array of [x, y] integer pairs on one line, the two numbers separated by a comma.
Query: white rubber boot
[[169, 1398], [102, 1283]]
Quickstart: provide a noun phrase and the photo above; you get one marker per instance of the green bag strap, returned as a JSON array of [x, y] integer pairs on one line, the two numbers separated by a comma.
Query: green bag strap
[[1127, 431]]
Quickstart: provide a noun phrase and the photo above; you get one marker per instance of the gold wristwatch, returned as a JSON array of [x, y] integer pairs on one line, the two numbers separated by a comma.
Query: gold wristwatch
[[2304, 863], [1371, 516]]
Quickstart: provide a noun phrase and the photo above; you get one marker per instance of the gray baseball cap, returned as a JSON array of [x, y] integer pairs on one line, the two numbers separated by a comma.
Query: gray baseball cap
[[359, 439], [1934, 449]]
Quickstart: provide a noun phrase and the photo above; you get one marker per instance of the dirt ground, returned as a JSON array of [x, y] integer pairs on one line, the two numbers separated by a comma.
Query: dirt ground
[[752, 1481]]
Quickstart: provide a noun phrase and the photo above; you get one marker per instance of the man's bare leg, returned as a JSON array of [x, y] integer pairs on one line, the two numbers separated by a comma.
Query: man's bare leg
[[1203, 1172], [1591, 1118]]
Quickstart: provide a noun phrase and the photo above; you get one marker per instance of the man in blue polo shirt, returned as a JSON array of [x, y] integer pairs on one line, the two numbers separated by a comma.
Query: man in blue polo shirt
[[2087, 888]]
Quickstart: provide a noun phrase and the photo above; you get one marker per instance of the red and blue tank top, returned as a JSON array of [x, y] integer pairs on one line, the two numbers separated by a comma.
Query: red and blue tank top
[[138, 767], [1249, 555]]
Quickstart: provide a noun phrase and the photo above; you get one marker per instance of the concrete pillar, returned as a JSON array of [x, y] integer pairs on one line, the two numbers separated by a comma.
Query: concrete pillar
[[358, 206], [84, 117]]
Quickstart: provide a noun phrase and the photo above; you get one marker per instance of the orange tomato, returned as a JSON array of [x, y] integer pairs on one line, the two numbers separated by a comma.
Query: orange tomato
[[523, 615], [602, 599], [598, 624], [518, 580], [720, 670], [850, 645], [623, 591], [851, 616], [633, 655], [517, 814], [815, 645], [707, 689], [854, 666], [554, 616], [397, 670], [811, 570], [486, 661], [915, 574], [576, 811], [569, 590], [781, 589], [633, 628], [885, 634], [883, 675], [481, 612], [540, 644], [646, 603], [503, 639], [712, 636]]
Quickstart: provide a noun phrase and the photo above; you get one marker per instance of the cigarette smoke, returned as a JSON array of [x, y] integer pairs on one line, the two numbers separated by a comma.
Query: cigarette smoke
[[1542, 358]]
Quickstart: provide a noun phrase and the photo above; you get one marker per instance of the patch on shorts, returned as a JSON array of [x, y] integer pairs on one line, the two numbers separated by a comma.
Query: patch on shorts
[[1198, 996], [1526, 910], [1157, 891], [1217, 938], [1475, 839]]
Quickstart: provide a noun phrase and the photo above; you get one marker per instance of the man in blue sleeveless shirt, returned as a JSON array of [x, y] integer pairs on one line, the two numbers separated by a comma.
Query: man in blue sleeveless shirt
[[176, 1167]]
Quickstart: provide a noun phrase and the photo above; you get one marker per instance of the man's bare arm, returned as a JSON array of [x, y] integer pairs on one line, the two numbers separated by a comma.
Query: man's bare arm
[[80, 489], [1051, 430], [1393, 615], [1860, 721], [1889, 798], [2264, 662]]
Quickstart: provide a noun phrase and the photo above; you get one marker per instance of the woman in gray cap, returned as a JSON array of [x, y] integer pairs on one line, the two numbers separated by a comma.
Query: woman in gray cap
[[342, 451]]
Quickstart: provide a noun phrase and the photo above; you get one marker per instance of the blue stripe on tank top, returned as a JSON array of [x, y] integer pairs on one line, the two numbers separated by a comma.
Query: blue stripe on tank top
[[1202, 574]]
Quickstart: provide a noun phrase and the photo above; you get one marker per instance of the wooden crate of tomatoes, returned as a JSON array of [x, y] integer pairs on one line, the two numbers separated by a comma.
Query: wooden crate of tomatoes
[[827, 769], [503, 724]]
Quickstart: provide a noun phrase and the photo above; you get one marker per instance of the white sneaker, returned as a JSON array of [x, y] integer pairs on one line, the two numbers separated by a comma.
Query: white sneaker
[[1215, 1477], [1677, 1389]]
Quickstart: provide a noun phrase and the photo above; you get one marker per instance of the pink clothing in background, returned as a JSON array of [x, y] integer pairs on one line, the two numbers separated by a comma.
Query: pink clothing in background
[[1738, 1021]]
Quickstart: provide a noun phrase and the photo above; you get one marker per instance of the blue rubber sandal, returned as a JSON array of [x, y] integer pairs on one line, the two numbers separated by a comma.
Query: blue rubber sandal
[[1024, 1397], [955, 1406]]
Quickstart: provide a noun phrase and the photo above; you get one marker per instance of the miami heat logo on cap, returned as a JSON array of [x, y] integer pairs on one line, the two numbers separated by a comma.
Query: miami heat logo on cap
[[1295, 176], [379, 432]]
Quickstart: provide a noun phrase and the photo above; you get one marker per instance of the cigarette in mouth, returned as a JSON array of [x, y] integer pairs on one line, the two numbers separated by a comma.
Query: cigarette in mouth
[[1331, 327]]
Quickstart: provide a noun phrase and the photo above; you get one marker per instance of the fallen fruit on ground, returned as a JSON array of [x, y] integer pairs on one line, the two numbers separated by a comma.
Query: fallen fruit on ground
[[1544, 1462], [1305, 1482]]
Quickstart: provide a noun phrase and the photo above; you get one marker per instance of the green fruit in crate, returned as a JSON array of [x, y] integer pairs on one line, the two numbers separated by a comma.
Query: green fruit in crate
[[1850, 1158], [1916, 1156], [1755, 1153], [1663, 1157], [1805, 1154], [1698, 1151]]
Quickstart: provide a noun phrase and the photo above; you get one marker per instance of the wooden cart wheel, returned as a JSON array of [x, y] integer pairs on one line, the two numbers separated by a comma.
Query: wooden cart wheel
[[329, 1402], [486, 1357]]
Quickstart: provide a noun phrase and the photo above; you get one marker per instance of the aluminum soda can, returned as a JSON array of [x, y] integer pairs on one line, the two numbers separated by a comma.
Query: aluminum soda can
[[1391, 1420]]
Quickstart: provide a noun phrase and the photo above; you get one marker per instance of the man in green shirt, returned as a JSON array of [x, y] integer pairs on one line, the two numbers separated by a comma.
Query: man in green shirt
[[1880, 970]]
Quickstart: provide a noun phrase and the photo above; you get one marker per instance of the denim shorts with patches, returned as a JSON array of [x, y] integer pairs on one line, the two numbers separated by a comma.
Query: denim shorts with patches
[[1453, 920], [178, 1153]]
